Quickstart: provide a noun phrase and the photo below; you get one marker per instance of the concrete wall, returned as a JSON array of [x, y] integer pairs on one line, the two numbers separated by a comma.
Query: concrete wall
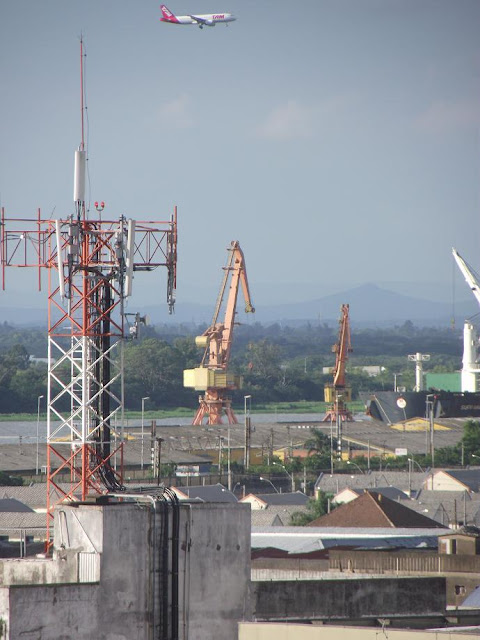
[[268, 631], [217, 591], [354, 599], [56, 613]]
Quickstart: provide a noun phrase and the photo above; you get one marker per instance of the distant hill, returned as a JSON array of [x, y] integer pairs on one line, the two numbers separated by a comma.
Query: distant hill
[[370, 305]]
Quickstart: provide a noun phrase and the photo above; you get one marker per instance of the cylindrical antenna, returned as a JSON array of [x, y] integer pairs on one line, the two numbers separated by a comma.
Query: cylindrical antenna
[[82, 91], [79, 176]]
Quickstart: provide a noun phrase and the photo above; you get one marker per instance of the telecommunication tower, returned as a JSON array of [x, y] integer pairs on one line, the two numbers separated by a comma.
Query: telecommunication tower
[[90, 262]]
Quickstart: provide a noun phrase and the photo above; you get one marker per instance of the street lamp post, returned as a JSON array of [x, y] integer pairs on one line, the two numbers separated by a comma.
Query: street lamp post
[[430, 413], [413, 461], [292, 480], [270, 482], [143, 425], [38, 425], [247, 430], [356, 465], [229, 456]]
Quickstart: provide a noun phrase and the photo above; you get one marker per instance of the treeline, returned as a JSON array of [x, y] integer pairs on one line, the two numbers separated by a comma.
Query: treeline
[[278, 363]]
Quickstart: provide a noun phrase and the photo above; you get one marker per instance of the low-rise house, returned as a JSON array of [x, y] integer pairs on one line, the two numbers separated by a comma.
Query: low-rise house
[[333, 483], [22, 530], [372, 509], [453, 480], [450, 508]]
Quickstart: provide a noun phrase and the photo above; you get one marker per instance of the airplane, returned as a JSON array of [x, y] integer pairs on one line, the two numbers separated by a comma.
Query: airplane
[[204, 20]]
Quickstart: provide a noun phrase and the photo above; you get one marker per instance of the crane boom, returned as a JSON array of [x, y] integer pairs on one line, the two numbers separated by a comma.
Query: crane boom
[[342, 348], [467, 274], [220, 335], [212, 376], [338, 392]]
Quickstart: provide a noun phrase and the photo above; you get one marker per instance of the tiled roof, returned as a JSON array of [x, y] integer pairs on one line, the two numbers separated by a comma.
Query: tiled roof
[[373, 510], [298, 498], [333, 483], [448, 507], [275, 515], [13, 521], [34, 496], [11, 505]]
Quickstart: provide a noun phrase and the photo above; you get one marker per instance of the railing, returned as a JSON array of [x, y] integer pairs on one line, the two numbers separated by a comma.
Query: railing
[[374, 562]]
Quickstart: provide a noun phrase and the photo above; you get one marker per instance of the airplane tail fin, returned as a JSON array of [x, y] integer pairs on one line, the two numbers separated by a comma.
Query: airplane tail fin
[[167, 15]]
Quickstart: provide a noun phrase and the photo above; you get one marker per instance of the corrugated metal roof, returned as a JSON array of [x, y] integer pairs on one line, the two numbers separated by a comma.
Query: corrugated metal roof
[[295, 540]]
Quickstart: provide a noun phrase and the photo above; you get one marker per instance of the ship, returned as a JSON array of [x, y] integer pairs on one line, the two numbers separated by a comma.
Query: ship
[[397, 406]]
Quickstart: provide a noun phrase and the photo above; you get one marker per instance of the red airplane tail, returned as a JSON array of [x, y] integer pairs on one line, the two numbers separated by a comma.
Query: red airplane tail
[[167, 15]]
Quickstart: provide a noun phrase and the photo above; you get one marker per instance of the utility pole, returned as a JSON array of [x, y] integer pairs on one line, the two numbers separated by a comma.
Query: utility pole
[[248, 431], [431, 414]]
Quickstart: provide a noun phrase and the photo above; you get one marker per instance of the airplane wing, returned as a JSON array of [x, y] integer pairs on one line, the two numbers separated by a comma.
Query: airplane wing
[[202, 21]]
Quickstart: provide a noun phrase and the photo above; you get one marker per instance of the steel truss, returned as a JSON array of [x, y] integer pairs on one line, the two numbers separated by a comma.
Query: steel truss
[[90, 266]]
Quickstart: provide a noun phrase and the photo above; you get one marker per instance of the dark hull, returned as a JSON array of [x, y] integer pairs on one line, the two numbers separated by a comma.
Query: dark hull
[[382, 405]]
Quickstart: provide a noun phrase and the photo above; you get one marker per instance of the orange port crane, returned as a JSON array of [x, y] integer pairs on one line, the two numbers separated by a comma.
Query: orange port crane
[[213, 376], [338, 393]]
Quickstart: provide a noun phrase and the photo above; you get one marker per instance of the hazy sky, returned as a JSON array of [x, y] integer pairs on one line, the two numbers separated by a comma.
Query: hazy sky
[[337, 140]]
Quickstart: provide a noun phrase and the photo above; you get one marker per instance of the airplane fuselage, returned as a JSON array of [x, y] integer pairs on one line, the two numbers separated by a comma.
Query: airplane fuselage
[[208, 19]]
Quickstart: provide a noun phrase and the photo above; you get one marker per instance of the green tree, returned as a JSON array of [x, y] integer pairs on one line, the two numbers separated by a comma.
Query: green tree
[[153, 368], [9, 481], [319, 450], [316, 507], [471, 438]]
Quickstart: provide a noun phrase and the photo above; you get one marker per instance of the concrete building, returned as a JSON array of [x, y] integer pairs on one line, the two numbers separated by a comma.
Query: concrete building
[[143, 567]]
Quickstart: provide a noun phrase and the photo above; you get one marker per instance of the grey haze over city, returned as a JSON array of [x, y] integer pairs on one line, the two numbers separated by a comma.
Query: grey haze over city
[[337, 141]]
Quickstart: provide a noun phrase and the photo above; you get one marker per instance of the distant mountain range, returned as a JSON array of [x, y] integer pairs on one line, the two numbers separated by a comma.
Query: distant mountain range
[[370, 305]]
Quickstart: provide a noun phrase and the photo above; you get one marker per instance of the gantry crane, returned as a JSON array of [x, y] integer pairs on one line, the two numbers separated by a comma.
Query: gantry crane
[[213, 376], [338, 393]]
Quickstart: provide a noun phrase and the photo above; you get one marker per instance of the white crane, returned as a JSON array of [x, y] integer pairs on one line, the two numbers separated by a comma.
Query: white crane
[[470, 367]]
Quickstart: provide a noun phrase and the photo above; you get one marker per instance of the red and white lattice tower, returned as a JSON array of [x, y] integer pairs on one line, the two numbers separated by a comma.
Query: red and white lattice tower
[[91, 264]]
